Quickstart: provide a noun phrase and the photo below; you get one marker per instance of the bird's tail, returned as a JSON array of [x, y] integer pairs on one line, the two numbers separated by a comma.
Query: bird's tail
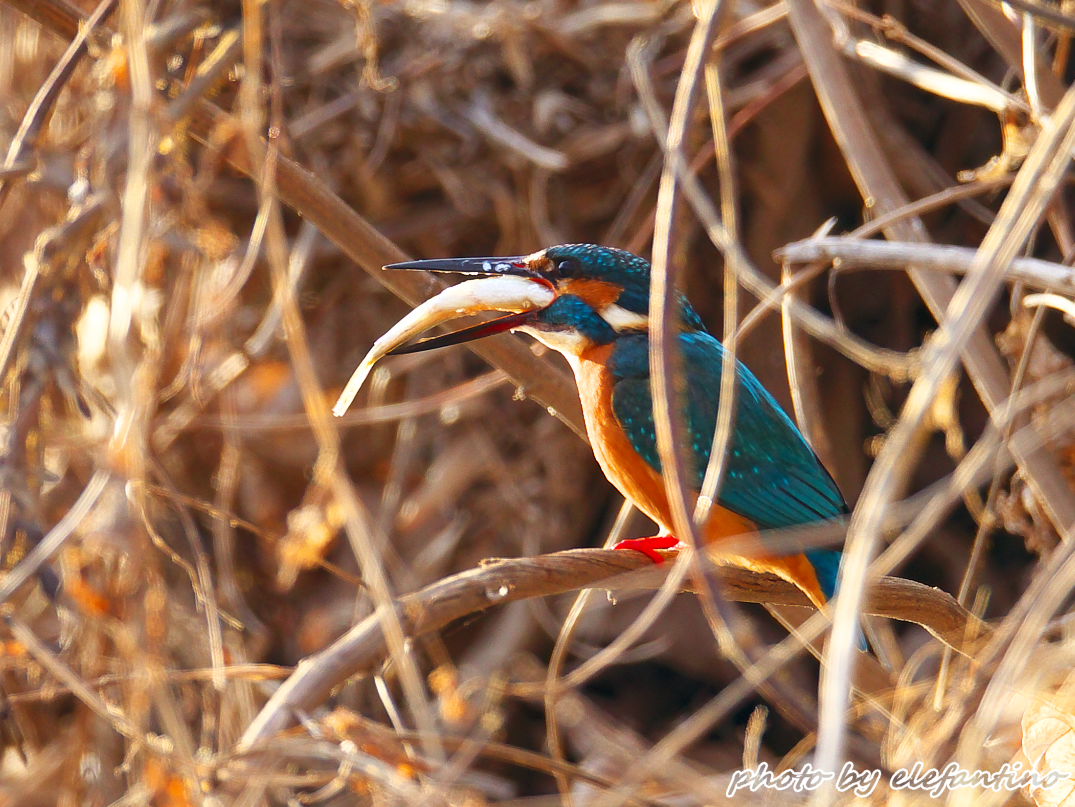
[[826, 563], [815, 572]]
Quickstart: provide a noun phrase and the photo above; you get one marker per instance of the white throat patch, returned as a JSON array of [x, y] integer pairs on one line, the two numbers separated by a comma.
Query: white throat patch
[[623, 320]]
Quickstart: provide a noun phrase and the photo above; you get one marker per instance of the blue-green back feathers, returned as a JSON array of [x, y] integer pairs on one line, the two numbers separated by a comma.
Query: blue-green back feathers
[[773, 476]]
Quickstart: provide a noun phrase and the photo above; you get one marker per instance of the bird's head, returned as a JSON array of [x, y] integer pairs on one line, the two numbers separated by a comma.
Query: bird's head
[[598, 294]]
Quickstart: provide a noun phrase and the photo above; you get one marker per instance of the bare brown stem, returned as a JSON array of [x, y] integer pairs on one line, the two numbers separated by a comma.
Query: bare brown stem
[[870, 254], [503, 581]]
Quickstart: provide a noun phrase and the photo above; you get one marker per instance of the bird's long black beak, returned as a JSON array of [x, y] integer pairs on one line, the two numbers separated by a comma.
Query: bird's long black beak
[[517, 265]]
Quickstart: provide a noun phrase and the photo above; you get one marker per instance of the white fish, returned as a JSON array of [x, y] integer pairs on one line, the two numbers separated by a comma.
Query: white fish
[[501, 293]]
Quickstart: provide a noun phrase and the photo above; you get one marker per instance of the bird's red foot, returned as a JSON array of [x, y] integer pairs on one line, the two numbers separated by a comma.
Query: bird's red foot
[[649, 546]]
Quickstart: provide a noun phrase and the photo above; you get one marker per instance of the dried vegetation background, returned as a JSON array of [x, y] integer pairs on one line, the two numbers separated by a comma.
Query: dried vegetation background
[[183, 523]]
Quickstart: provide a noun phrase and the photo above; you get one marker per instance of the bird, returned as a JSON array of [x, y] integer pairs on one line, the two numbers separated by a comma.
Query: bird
[[591, 304]]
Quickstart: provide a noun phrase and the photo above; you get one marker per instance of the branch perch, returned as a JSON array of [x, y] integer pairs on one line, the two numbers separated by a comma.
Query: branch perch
[[502, 581]]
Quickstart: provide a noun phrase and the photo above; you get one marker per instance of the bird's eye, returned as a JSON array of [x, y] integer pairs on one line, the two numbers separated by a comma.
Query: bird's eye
[[568, 266]]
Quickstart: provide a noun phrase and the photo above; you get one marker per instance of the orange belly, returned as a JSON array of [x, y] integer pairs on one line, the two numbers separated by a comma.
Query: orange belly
[[645, 489]]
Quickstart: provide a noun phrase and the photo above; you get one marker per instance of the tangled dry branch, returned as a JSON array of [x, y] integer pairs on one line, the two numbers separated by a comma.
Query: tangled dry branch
[[502, 581]]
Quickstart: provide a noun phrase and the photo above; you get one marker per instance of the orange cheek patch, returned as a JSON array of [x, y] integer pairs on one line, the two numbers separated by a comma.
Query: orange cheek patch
[[597, 293]]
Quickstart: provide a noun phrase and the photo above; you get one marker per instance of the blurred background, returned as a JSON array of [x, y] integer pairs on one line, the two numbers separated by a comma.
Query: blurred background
[[171, 328]]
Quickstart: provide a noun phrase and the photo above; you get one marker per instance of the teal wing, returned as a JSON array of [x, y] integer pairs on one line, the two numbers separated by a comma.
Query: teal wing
[[773, 476]]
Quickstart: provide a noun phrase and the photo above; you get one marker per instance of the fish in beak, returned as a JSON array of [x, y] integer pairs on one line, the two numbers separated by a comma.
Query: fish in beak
[[507, 284]]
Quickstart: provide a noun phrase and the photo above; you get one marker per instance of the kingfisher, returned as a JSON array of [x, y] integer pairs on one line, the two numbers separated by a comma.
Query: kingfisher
[[591, 304]]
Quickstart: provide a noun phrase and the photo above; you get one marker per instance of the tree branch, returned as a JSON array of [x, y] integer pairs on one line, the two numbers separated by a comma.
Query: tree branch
[[502, 581], [873, 254]]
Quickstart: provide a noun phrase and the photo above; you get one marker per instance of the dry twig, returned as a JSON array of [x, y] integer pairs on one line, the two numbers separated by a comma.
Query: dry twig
[[504, 581]]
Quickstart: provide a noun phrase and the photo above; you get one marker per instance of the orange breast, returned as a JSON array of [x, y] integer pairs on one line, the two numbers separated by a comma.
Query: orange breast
[[623, 466], [644, 487]]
